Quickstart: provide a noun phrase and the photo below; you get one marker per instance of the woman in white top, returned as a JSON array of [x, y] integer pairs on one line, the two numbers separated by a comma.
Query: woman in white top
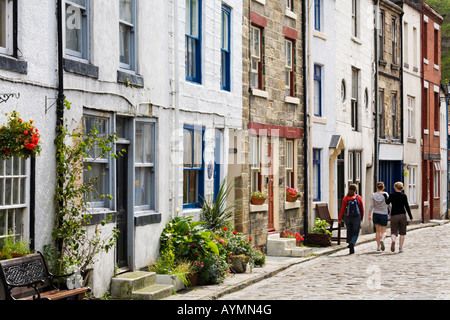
[[379, 208]]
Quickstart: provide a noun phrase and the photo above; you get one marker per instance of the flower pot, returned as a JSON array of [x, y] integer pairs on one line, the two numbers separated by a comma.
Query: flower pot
[[239, 263], [291, 198], [258, 201], [320, 239], [193, 278]]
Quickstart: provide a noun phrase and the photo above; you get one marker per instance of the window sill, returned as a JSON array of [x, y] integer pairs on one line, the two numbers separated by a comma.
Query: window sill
[[395, 66], [260, 208], [260, 93], [130, 79], [411, 140], [290, 14], [291, 205], [356, 40], [436, 133], [144, 218], [382, 63], [436, 67], [425, 131], [101, 214], [320, 35], [425, 61], [319, 120], [13, 64], [81, 68], [263, 2], [293, 100]]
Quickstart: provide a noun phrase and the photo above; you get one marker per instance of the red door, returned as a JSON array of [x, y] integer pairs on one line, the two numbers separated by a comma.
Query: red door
[[270, 186]]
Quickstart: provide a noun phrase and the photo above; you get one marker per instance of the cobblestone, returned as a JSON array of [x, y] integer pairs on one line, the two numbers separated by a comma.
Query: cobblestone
[[420, 272]]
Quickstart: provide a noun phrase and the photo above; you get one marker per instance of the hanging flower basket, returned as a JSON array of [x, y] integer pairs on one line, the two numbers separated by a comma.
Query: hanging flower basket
[[19, 138]]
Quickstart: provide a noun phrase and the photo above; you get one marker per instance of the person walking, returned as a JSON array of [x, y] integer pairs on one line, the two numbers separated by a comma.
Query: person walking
[[400, 206], [353, 208], [379, 211]]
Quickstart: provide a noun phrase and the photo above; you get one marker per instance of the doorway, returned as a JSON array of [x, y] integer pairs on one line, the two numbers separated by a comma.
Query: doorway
[[122, 207], [340, 180]]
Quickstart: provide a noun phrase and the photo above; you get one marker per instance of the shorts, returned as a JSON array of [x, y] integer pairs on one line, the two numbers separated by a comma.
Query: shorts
[[398, 224], [381, 219]]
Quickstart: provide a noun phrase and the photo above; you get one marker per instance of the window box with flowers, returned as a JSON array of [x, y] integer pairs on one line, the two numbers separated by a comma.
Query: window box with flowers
[[258, 198], [292, 194], [19, 138]]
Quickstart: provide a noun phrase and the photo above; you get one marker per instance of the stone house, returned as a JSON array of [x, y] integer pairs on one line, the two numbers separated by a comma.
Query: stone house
[[273, 117], [389, 96], [431, 163]]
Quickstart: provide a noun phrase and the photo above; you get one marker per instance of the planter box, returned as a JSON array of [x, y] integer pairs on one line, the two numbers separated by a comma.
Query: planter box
[[322, 240], [170, 279], [258, 201]]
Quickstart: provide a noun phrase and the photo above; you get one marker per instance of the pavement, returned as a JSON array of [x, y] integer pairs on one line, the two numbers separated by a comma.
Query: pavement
[[275, 265]]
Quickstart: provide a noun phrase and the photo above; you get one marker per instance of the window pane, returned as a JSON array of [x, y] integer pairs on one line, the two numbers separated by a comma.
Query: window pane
[[126, 11], [225, 29], [125, 44], [3, 23], [190, 186], [317, 98], [198, 150], [144, 143], [8, 186], [74, 25], [191, 65], [187, 143], [143, 186], [98, 171], [98, 124]]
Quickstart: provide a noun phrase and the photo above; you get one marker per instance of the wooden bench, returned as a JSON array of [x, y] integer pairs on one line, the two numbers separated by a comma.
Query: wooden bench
[[28, 278], [324, 214]]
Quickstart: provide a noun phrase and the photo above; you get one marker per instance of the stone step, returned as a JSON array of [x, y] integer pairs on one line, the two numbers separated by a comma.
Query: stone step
[[123, 285], [285, 247], [153, 292], [298, 252]]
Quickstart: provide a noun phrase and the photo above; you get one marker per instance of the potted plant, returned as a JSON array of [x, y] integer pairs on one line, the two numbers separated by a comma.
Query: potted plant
[[298, 237], [292, 194], [19, 138], [319, 234], [258, 197], [15, 248]]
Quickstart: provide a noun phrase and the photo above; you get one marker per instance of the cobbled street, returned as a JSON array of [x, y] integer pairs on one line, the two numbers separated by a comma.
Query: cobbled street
[[420, 272]]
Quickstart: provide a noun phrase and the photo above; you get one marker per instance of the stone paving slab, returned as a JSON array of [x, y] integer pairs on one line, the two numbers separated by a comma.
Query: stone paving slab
[[276, 265]]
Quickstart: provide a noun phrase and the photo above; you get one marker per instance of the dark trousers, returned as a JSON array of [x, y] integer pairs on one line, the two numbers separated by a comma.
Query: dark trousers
[[353, 225]]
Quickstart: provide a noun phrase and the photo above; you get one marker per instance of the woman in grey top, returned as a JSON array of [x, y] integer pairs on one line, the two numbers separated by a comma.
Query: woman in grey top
[[379, 208]]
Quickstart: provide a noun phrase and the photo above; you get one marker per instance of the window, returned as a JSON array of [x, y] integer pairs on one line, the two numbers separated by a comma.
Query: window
[[290, 4], [437, 112], [13, 191], [355, 95], [256, 58], [354, 168], [127, 32], [255, 180], [437, 180], [225, 72], [436, 46], [411, 106], [406, 42], [355, 18], [317, 14], [289, 66], [290, 182], [425, 109], [425, 40], [415, 48], [381, 36], [394, 40], [5, 26], [193, 168], [193, 38], [412, 185], [316, 175], [77, 28], [95, 166], [343, 91], [381, 119], [317, 90], [144, 183], [395, 125]]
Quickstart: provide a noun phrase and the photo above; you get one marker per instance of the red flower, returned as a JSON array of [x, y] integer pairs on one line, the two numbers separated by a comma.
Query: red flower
[[25, 132], [225, 229], [234, 232], [250, 239], [30, 146]]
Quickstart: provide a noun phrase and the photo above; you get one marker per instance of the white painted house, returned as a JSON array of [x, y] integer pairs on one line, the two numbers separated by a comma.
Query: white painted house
[[355, 91]]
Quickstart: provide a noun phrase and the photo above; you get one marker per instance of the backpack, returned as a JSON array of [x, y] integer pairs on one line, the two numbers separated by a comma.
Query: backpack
[[353, 208]]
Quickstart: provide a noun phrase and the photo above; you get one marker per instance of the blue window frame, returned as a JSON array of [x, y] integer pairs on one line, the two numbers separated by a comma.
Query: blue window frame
[[317, 9], [193, 166], [317, 90], [193, 40], [77, 29], [127, 33], [316, 175], [225, 81]]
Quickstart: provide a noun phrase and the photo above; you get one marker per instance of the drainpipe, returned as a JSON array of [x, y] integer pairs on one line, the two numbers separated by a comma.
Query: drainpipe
[[307, 137], [60, 99], [177, 108], [448, 145], [376, 146]]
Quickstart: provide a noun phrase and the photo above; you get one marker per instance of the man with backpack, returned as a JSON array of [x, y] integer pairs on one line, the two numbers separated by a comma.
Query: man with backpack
[[353, 212]]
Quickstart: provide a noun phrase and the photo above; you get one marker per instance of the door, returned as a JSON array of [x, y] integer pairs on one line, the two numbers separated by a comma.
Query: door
[[122, 207], [340, 180], [217, 162]]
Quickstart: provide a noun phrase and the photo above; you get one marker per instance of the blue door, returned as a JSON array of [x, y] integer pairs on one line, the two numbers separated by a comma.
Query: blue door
[[390, 173]]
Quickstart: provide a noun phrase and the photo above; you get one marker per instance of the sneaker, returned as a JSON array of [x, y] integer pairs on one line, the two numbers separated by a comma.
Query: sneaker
[[378, 248], [400, 250], [393, 246], [382, 245]]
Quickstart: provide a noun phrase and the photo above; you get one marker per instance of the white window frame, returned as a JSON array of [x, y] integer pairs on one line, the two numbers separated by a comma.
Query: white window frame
[[14, 215], [255, 60], [80, 19], [290, 4], [411, 120], [255, 162], [354, 99], [7, 27], [289, 63], [437, 180], [133, 32], [355, 18], [290, 168], [412, 184]]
